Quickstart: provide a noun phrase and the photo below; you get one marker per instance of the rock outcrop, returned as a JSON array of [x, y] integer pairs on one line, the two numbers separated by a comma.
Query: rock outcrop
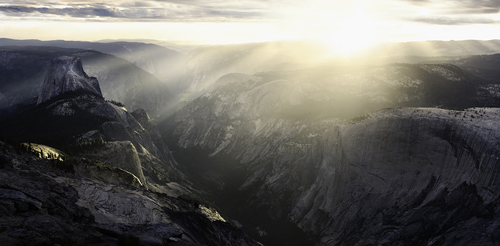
[[406, 176], [23, 70], [115, 181], [66, 74], [393, 177], [84, 124], [46, 202], [389, 177], [120, 154]]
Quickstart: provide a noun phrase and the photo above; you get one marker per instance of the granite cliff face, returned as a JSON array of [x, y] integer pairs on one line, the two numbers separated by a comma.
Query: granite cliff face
[[47, 202], [115, 180], [22, 70], [66, 74], [406, 176], [73, 116], [306, 157], [395, 176]]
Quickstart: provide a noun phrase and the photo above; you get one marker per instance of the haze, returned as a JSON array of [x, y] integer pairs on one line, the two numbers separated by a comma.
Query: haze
[[249, 122], [344, 26]]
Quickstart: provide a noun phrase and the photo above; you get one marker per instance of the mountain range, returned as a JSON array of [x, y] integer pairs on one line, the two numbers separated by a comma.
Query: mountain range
[[113, 181], [248, 144], [25, 68]]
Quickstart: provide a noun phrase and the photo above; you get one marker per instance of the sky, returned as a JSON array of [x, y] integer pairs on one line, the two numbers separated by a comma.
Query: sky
[[349, 24]]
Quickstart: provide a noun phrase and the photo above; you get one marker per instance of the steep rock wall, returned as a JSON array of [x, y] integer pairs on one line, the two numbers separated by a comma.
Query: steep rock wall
[[121, 154], [43, 202], [375, 179], [66, 74], [398, 162]]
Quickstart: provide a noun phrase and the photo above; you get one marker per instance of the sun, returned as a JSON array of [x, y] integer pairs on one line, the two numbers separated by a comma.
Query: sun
[[350, 35]]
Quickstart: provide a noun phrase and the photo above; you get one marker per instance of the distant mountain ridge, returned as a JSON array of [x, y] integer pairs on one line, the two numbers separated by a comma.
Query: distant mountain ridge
[[297, 153], [149, 57], [194, 73], [23, 69], [433, 48]]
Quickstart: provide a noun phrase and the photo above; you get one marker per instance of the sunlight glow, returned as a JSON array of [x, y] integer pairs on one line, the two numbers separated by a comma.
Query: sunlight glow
[[352, 35], [346, 27]]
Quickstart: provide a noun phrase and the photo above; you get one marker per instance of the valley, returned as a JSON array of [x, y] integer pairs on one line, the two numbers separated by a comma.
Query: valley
[[248, 144]]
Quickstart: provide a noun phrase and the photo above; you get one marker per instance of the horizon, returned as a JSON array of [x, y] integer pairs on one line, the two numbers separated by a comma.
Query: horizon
[[249, 122], [343, 26]]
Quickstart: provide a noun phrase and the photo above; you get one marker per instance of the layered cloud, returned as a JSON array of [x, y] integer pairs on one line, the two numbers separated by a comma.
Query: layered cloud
[[447, 12], [453, 12], [459, 6], [153, 10], [438, 20], [224, 21]]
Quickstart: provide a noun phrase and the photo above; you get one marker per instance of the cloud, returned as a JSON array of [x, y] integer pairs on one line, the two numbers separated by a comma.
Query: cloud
[[73, 12], [206, 3], [459, 7], [453, 12], [418, 2], [132, 11], [438, 20], [438, 12], [482, 3], [138, 4]]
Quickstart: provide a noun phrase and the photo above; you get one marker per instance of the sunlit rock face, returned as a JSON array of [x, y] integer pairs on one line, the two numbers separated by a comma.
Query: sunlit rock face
[[135, 147], [406, 176], [66, 74], [74, 115], [117, 183], [395, 176], [49, 202]]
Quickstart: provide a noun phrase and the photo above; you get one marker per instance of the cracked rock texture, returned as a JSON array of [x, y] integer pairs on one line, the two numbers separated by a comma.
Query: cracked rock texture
[[66, 74], [407, 176], [82, 122], [118, 185], [41, 203]]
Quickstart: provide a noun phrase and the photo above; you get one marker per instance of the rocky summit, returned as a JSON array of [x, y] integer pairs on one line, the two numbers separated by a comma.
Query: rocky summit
[[66, 74], [106, 179]]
